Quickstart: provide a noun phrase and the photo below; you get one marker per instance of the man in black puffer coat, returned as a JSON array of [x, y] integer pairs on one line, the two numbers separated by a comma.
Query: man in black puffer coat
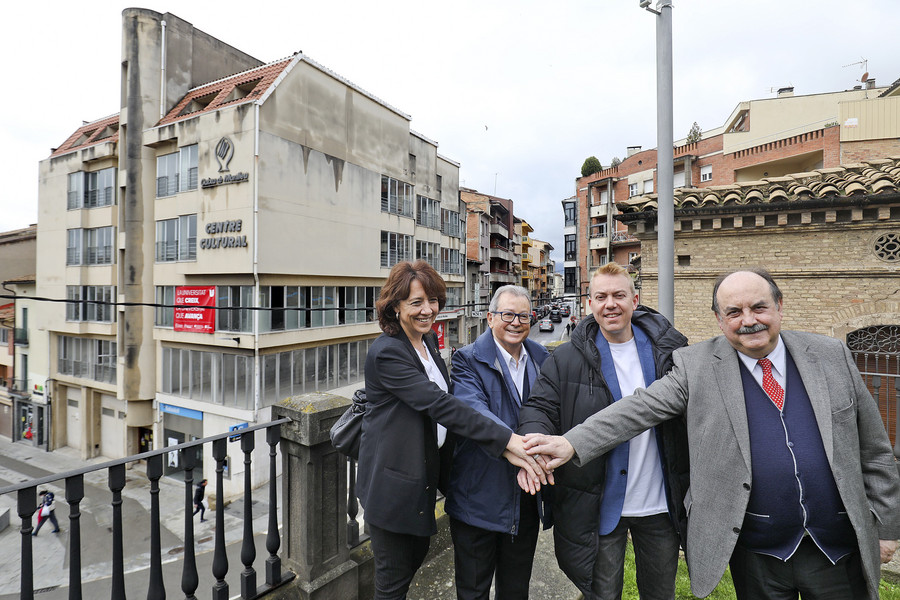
[[640, 485]]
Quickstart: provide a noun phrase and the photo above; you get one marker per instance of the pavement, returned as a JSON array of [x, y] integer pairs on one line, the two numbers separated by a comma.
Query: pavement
[[21, 462]]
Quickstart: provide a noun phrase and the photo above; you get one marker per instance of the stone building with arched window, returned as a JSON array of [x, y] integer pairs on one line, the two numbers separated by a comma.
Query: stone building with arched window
[[830, 238]]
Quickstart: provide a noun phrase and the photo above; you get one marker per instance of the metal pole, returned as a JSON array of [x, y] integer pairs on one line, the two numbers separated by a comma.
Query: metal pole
[[665, 227]]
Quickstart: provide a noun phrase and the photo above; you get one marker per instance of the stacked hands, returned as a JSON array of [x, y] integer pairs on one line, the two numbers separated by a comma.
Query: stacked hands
[[537, 455]]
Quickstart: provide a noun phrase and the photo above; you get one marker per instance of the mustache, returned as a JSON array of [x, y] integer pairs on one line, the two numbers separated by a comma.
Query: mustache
[[753, 328]]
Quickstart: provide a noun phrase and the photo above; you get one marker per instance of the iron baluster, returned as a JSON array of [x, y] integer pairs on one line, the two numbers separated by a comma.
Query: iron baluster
[[220, 558], [26, 505], [248, 548], [189, 577], [116, 483], [74, 496], [157, 587]]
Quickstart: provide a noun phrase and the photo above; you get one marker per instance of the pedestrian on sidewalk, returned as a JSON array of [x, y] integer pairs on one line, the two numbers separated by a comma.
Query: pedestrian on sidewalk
[[46, 510], [199, 502]]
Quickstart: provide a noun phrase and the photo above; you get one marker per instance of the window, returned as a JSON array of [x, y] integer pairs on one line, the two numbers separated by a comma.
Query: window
[[176, 239], [570, 248], [706, 173], [678, 179], [176, 172], [569, 209], [91, 189], [165, 315], [451, 261], [570, 280], [187, 175], [429, 212], [93, 303], [73, 246], [632, 256], [166, 175], [598, 230], [430, 253], [236, 299], [648, 186], [438, 183], [87, 358], [76, 190], [89, 246], [452, 223], [632, 189], [396, 197], [412, 166], [395, 247], [454, 298]]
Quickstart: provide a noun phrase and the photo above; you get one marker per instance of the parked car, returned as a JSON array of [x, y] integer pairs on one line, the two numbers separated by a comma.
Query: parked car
[[545, 325], [555, 315]]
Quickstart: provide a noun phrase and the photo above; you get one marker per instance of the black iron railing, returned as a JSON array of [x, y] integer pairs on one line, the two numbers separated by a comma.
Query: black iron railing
[[26, 497]]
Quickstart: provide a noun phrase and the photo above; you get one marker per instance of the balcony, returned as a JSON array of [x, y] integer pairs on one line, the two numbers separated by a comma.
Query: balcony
[[20, 387], [621, 237], [526, 258], [21, 336], [600, 242], [526, 241], [499, 228], [501, 253], [599, 211]]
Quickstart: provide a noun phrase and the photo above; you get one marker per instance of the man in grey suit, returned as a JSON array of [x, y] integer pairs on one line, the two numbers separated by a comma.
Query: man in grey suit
[[792, 477]]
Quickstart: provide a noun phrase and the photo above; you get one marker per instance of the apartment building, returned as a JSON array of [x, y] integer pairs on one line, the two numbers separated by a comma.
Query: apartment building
[[760, 140], [223, 239]]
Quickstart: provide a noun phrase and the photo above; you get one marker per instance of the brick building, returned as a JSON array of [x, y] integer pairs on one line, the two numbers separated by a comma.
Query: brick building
[[760, 139]]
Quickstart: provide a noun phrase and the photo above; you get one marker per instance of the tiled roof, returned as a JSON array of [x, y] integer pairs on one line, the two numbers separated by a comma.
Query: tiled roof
[[246, 86], [102, 130], [871, 178]]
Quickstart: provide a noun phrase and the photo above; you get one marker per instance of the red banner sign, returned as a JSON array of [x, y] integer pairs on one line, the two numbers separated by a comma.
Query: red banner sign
[[438, 328], [190, 314]]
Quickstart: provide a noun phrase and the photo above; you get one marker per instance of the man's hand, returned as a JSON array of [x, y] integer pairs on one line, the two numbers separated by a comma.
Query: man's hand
[[555, 450], [888, 547], [516, 455]]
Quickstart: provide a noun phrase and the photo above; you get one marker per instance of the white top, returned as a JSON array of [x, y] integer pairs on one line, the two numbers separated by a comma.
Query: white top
[[778, 356], [516, 367], [645, 492], [435, 375]]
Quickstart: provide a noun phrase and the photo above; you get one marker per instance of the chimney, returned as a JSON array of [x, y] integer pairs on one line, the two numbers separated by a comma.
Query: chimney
[[786, 92], [870, 83], [631, 151]]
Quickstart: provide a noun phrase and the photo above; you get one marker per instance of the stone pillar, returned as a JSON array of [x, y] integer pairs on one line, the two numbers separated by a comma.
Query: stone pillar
[[314, 497]]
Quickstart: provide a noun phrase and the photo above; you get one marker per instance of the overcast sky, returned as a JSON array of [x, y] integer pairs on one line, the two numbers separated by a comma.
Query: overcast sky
[[518, 92]]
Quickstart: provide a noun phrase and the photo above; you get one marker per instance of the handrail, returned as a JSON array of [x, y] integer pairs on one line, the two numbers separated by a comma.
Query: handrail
[[135, 457]]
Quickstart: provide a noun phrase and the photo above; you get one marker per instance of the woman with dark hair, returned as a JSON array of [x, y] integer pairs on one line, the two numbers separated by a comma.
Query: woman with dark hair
[[407, 393]]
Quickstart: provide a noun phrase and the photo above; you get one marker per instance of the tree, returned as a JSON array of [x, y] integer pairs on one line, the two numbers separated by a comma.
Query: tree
[[591, 165], [616, 161], [694, 134]]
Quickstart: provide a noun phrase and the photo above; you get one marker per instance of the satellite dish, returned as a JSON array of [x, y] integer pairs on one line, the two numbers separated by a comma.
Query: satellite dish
[[865, 77]]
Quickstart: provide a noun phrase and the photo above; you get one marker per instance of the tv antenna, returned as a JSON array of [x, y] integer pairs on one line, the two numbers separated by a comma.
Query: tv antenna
[[864, 64]]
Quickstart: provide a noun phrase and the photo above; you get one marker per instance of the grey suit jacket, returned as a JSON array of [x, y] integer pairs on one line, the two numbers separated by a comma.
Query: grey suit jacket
[[705, 386]]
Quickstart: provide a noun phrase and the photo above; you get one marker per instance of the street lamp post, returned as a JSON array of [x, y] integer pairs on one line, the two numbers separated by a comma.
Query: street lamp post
[[665, 157]]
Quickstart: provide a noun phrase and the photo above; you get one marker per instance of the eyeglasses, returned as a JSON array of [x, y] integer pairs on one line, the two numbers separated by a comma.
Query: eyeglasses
[[509, 317]]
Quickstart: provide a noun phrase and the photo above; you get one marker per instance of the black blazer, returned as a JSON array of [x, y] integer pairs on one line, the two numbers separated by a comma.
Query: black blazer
[[398, 465]]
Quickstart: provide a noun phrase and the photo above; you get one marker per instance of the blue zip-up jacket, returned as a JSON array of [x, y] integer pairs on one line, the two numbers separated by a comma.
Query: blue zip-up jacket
[[483, 491]]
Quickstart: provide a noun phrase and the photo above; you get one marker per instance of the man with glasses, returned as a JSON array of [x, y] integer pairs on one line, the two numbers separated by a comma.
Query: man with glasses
[[493, 523], [639, 486]]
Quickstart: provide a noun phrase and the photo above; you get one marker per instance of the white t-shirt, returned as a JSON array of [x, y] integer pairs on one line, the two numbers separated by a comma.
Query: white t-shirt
[[435, 375], [645, 492]]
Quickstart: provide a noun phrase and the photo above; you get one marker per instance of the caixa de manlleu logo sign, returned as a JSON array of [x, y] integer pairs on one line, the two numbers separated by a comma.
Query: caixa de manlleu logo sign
[[224, 152]]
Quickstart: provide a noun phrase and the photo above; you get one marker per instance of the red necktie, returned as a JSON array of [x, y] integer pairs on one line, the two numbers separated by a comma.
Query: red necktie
[[775, 392]]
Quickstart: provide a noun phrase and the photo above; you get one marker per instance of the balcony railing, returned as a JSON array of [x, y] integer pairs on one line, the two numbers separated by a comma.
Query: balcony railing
[[20, 336], [621, 236], [74, 482]]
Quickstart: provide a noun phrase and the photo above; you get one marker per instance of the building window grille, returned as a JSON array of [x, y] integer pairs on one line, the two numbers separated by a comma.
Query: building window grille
[[887, 247]]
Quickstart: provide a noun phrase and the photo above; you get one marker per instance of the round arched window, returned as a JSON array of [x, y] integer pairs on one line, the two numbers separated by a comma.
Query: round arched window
[[887, 247]]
